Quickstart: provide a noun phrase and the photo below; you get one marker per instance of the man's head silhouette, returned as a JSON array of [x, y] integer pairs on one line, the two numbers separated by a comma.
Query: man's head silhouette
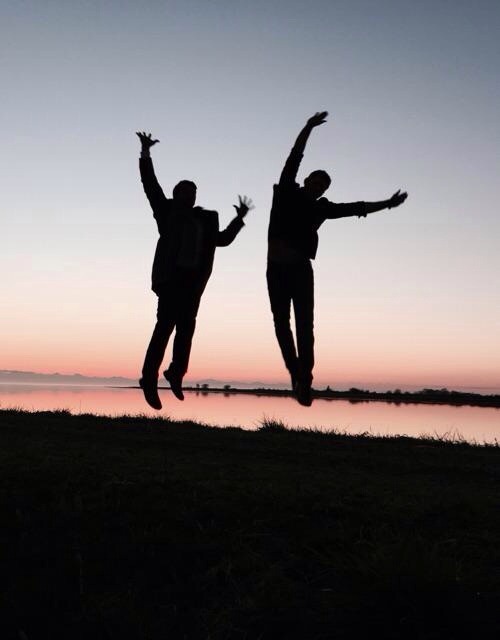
[[184, 193], [317, 183]]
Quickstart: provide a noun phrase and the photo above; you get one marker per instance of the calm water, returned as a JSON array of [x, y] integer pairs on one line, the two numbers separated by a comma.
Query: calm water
[[472, 423]]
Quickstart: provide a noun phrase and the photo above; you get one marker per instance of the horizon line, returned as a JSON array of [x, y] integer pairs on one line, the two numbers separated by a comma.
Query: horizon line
[[223, 381]]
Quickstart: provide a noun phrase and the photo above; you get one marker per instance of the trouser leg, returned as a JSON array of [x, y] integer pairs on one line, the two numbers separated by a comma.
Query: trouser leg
[[190, 285], [280, 297], [165, 322], [184, 331], [303, 305]]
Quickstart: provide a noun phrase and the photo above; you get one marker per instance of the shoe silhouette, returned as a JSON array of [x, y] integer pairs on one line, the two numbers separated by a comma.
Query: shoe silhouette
[[303, 393], [175, 382], [150, 390]]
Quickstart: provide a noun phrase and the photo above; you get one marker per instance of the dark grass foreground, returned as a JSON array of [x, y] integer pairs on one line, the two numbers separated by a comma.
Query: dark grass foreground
[[142, 528]]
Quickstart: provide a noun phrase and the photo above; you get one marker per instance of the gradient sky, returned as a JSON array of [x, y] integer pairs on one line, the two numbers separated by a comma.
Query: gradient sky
[[406, 297]]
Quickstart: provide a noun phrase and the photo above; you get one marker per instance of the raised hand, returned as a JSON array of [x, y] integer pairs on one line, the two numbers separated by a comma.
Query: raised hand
[[245, 205], [317, 119], [146, 141], [396, 199]]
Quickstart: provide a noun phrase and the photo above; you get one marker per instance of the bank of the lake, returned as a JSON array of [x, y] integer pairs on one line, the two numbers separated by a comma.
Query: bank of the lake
[[144, 528], [423, 396]]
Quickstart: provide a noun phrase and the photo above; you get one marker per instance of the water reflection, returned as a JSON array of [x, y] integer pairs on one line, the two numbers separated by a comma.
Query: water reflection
[[247, 411]]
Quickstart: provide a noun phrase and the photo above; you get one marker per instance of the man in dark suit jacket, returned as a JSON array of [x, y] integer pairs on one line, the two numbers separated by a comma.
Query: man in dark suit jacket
[[182, 266], [296, 215]]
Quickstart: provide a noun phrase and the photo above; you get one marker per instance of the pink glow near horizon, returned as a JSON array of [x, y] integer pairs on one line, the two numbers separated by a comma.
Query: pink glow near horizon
[[371, 358]]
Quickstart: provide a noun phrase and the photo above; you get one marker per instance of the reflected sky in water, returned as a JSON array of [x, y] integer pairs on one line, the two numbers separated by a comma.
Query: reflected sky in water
[[247, 411]]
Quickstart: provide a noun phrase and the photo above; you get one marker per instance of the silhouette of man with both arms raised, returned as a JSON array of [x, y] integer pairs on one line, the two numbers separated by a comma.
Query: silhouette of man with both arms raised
[[182, 266], [296, 215]]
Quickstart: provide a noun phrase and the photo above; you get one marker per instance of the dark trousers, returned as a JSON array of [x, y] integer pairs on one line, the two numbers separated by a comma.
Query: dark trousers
[[178, 303], [289, 283]]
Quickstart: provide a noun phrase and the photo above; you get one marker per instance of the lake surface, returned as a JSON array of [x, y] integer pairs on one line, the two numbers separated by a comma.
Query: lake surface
[[475, 424]]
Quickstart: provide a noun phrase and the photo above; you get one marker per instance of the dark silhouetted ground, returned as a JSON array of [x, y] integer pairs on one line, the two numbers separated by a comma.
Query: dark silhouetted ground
[[144, 528]]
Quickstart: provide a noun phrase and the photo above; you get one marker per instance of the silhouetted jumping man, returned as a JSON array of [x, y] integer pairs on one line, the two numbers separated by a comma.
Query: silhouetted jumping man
[[182, 266], [296, 215]]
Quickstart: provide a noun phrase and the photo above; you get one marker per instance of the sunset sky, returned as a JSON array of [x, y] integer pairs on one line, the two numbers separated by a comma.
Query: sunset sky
[[406, 297]]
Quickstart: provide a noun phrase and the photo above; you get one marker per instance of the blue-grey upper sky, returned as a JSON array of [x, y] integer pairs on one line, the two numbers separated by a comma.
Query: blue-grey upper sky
[[413, 92]]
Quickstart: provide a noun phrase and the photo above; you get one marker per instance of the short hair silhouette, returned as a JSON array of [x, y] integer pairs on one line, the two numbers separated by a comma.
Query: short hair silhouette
[[182, 187], [322, 175]]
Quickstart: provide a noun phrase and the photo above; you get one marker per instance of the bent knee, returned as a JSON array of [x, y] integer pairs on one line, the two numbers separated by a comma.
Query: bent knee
[[281, 319]]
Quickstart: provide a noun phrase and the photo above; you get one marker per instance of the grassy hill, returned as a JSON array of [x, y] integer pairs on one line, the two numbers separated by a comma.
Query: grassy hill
[[146, 528]]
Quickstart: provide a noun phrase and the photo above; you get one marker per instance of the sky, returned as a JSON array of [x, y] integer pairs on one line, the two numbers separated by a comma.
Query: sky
[[404, 297]]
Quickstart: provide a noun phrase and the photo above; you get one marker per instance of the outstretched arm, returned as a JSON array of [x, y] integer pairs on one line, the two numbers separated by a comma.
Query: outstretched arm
[[225, 237], [293, 161], [151, 185], [362, 209]]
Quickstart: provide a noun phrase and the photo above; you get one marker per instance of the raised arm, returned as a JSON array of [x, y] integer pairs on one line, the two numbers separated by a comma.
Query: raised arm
[[152, 189], [226, 236], [362, 209], [289, 173]]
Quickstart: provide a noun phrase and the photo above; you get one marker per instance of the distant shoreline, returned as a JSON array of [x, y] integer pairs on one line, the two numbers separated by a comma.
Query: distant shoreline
[[425, 396]]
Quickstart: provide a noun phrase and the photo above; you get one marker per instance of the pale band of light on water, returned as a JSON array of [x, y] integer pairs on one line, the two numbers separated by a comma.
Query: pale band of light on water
[[474, 424]]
